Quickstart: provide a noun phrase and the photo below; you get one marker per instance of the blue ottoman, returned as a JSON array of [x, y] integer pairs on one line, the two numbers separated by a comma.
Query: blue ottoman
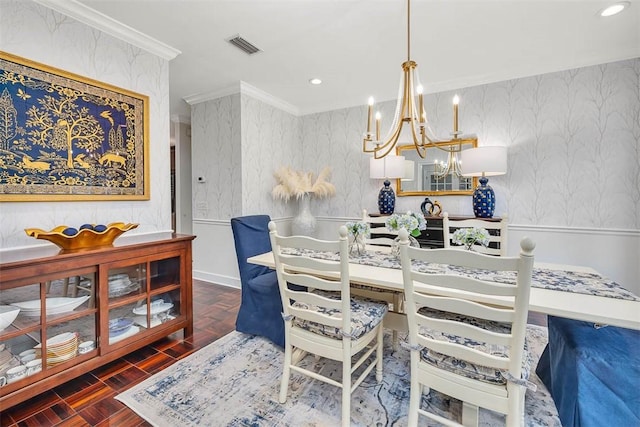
[[592, 374]]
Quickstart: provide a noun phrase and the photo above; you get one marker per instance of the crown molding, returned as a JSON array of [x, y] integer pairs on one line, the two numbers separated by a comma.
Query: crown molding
[[267, 98], [102, 22], [246, 89], [210, 96]]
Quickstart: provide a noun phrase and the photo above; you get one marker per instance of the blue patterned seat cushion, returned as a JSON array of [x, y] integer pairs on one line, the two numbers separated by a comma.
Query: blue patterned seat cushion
[[366, 314], [463, 367], [374, 289]]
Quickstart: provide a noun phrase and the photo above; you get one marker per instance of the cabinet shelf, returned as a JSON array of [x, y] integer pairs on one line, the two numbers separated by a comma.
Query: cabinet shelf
[[162, 270]]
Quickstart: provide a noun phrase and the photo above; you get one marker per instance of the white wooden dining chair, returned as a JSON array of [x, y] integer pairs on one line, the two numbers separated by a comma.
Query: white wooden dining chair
[[327, 322], [467, 335], [497, 233]]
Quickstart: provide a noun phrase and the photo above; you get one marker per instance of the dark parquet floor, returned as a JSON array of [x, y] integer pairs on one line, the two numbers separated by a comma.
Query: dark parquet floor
[[89, 400]]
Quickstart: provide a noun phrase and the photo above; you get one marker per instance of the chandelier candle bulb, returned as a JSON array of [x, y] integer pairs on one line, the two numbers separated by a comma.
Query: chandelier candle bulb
[[419, 89], [378, 117]]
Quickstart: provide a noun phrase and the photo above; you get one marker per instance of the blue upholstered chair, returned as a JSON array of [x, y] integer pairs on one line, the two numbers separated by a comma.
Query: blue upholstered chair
[[261, 306], [593, 374]]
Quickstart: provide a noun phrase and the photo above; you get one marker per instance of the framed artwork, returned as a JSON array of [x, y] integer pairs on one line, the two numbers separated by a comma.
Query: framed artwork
[[69, 138]]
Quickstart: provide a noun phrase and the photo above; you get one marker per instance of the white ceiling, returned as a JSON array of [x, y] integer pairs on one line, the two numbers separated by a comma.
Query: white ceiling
[[357, 46]]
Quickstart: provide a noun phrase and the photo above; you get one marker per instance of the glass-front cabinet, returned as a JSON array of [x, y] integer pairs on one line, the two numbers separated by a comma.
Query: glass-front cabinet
[[142, 296], [62, 314]]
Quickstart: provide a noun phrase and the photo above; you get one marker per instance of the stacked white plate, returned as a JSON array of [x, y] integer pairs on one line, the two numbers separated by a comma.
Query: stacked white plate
[[119, 326], [60, 348], [121, 284], [129, 332]]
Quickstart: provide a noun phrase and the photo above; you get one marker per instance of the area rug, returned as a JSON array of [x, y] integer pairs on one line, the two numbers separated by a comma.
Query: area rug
[[235, 382]]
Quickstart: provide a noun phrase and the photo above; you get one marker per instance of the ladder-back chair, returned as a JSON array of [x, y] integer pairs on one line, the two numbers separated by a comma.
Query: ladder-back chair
[[326, 322], [466, 332]]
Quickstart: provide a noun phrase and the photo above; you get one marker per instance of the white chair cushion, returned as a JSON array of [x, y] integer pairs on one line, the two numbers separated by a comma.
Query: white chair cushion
[[463, 367], [366, 314]]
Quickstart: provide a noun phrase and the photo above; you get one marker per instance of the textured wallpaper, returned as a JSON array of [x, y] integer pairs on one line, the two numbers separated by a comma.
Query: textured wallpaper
[[217, 158], [270, 139], [238, 142], [572, 137], [40, 34]]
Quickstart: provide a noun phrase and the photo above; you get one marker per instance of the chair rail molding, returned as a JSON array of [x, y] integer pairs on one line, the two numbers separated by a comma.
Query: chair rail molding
[[576, 230]]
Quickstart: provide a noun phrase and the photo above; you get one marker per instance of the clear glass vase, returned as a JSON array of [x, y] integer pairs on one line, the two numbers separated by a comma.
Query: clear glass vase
[[356, 244], [395, 247], [304, 223]]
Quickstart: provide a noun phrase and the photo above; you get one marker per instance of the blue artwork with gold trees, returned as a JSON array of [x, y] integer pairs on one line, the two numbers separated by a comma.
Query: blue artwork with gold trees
[[66, 137]]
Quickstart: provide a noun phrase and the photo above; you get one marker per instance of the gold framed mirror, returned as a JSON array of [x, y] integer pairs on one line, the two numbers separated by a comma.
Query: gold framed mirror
[[438, 173]]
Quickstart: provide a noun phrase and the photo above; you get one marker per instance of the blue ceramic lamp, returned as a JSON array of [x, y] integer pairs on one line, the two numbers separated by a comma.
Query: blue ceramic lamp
[[388, 167], [484, 162]]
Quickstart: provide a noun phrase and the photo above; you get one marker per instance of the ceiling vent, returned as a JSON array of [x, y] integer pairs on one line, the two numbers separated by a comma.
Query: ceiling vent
[[243, 44]]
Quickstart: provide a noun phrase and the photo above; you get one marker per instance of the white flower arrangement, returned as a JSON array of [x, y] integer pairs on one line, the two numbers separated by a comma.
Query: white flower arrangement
[[292, 183], [358, 228], [411, 222], [470, 236]]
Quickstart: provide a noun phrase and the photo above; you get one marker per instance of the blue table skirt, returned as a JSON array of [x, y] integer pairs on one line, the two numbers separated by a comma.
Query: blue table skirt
[[592, 374]]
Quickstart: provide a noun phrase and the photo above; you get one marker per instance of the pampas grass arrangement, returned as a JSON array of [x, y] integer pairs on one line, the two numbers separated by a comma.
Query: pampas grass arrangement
[[295, 184]]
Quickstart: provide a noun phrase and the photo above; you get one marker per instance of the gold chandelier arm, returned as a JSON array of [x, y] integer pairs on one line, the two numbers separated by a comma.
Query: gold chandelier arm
[[389, 145]]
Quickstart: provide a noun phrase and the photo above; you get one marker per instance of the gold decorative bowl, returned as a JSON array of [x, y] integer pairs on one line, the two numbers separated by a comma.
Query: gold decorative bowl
[[84, 238]]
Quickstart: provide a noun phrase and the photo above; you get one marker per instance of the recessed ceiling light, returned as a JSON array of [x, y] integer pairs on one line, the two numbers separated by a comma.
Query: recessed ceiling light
[[315, 81], [614, 9]]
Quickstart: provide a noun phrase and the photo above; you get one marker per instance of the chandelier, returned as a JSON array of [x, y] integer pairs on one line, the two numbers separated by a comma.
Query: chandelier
[[453, 166], [413, 114]]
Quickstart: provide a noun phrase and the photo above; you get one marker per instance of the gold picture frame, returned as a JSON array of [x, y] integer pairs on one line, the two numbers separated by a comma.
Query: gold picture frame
[[64, 137], [424, 182]]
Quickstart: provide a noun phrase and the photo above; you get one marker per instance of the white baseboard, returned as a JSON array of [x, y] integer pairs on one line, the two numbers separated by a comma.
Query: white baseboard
[[232, 282]]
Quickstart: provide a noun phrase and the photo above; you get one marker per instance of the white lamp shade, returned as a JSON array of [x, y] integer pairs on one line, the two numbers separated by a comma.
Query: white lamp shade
[[409, 170], [484, 161], [386, 167]]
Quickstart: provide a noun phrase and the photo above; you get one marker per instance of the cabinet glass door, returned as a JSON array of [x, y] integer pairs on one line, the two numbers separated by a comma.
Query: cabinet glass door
[[125, 287], [143, 296], [42, 325]]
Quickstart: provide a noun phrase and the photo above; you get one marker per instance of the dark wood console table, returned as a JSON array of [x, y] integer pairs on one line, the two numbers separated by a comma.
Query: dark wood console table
[[433, 236]]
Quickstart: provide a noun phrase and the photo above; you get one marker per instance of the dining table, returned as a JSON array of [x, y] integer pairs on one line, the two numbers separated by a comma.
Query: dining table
[[569, 291]]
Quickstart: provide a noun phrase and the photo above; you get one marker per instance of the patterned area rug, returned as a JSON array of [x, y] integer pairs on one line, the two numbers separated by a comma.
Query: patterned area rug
[[235, 382]]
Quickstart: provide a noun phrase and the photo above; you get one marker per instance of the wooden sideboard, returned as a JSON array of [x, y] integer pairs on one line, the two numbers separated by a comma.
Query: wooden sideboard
[[433, 236], [134, 294]]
